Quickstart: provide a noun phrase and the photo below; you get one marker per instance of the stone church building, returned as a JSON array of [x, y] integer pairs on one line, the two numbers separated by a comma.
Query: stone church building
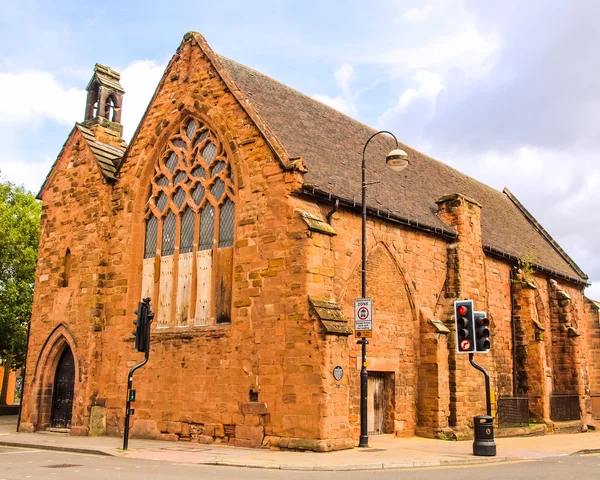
[[236, 209]]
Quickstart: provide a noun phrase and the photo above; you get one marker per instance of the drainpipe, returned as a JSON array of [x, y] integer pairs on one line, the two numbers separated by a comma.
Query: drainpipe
[[335, 209], [513, 329]]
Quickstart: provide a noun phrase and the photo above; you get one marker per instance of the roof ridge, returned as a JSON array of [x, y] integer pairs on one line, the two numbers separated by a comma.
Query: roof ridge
[[531, 219]]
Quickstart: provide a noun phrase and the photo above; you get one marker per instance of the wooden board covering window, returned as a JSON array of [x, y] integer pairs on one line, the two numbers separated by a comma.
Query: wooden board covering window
[[223, 280]]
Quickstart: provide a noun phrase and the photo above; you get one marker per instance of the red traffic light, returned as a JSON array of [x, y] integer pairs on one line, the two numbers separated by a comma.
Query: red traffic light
[[462, 310]]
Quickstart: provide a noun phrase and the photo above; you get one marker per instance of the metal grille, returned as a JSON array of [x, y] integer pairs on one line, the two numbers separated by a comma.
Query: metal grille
[[161, 201], [218, 167], [201, 137], [564, 408], [180, 177], [151, 237], [179, 197], [207, 227], [513, 411], [162, 181], [178, 142], [168, 240], [217, 189], [198, 194], [231, 176], [187, 231], [226, 224], [199, 172], [171, 162], [209, 152], [61, 465], [190, 129]]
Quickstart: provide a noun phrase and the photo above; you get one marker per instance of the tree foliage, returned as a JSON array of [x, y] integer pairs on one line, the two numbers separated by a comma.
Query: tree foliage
[[19, 236]]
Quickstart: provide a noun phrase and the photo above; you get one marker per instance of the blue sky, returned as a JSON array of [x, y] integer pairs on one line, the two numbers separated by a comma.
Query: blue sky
[[507, 92]]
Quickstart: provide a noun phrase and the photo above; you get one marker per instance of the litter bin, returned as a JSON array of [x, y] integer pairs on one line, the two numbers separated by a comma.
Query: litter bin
[[484, 444]]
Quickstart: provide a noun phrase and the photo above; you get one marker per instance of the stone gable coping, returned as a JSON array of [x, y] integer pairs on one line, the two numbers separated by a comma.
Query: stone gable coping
[[316, 223], [331, 316]]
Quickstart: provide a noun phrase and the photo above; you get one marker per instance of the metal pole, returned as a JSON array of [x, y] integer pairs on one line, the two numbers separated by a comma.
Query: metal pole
[[128, 404], [488, 402], [364, 375]]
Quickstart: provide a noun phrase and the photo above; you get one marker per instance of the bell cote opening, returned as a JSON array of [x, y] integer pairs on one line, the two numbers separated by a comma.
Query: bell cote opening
[[104, 100]]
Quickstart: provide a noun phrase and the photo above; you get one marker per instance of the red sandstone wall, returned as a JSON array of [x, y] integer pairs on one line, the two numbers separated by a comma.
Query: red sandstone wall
[[75, 215], [198, 379]]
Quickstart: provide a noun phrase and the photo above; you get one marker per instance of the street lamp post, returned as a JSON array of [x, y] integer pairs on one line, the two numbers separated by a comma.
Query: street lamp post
[[397, 160]]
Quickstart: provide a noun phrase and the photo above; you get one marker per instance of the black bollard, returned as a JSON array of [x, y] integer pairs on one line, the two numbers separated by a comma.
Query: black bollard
[[484, 444]]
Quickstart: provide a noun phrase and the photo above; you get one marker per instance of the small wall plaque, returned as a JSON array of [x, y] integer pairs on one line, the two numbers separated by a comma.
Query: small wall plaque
[[338, 373]]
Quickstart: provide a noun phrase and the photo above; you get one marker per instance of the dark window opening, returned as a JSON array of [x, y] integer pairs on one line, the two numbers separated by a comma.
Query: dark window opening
[[66, 269]]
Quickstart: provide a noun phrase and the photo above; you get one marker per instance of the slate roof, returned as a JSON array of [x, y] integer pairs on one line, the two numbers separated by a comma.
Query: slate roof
[[331, 144], [107, 156]]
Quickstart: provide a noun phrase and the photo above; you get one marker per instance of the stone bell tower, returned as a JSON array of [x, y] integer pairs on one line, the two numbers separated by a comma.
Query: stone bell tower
[[104, 103]]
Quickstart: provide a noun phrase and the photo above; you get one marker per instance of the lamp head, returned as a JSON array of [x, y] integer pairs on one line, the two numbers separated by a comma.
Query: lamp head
[[397, 160]]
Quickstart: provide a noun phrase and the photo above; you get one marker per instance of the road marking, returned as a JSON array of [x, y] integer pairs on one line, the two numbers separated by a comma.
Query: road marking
[[474, 465], [19, 451]]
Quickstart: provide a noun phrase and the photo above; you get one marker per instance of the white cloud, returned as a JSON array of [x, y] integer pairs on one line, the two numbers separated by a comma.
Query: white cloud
[[139, 80], [443, 37], [344, 76], [32, 97], [416, 105], [417, 14], [30, 173], [430, 84], [345, 101]]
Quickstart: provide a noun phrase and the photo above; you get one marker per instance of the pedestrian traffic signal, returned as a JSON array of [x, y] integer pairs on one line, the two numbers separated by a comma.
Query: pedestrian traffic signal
[[464, 322], [142, 330], [482, 333]]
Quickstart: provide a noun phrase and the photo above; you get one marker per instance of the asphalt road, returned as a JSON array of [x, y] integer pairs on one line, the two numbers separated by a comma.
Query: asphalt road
[[22, 463]]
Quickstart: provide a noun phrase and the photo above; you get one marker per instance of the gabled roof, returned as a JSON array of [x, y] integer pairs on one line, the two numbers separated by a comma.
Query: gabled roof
[[108, 157], [296, 126], [331, 144]]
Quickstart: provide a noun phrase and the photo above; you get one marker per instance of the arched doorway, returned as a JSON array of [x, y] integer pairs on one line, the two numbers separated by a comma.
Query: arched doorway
[[62, 396]]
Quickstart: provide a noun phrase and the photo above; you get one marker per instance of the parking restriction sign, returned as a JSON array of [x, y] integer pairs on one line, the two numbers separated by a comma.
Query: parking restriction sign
[[363, 317]]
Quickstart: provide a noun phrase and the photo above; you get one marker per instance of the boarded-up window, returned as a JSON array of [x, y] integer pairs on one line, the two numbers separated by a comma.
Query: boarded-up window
[[192, 206]]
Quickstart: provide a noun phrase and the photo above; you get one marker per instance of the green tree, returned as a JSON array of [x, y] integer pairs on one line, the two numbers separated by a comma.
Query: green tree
[[19, 237]]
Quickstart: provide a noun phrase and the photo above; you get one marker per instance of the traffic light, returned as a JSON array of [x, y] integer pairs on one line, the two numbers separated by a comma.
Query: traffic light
[[141, 327], [482, 333], [465, 329]]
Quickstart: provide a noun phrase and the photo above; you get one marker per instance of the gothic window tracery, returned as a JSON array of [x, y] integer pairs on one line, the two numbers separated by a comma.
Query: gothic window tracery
[[189, 230]]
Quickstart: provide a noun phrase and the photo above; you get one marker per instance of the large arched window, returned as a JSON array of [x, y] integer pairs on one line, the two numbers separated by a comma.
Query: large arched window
[[189, 230]]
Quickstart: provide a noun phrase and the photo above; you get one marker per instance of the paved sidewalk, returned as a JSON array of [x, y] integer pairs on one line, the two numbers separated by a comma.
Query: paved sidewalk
[[384, 451]]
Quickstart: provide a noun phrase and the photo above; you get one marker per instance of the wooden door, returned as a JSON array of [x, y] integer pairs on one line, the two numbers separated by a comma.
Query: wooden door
[[375, 404], [62, 396]]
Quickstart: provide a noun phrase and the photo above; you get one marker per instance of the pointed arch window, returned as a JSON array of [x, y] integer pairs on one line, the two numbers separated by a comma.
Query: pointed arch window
[[189, 230]]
